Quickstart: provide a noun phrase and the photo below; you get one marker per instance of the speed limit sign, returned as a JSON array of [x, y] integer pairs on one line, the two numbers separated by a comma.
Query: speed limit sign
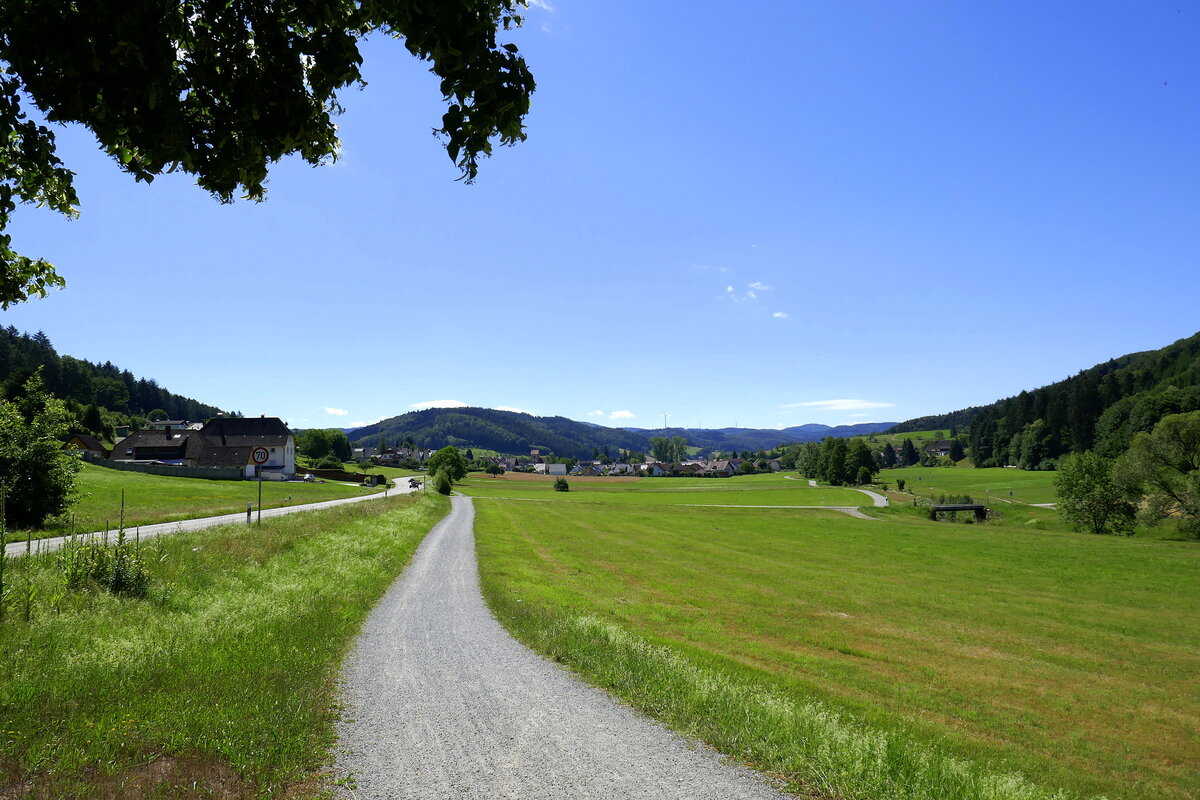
[[260, 455]]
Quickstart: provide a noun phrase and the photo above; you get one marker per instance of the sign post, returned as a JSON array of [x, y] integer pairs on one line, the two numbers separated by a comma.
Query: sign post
[[260, 456]]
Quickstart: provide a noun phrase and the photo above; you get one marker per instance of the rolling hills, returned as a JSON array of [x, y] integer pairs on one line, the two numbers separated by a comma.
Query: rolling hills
[[514, 432]]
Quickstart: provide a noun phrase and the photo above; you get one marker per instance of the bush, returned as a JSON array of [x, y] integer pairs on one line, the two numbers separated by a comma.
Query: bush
[[328, 462], [561, 485], [442, 484]]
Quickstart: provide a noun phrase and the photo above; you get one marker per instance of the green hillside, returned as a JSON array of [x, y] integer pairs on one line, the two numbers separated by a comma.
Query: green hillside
[[502, 431], [514, 433], [1099, 409]]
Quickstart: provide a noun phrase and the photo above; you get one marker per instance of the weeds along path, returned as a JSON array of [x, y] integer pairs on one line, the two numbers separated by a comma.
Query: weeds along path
[[442, 703], [163, 528]]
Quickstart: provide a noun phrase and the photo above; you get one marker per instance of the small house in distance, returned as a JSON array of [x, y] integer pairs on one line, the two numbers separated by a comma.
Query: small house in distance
[[220, 442], [86, 443]]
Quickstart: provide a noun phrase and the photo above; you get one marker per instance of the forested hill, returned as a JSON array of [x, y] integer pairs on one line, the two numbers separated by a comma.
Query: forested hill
[[502, 431], [1099, 409], [727, 439], [83, 383], [515, 433]]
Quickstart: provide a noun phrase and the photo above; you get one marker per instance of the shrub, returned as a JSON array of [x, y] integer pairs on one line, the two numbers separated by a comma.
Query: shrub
[[561, 485], [442, 484], [328, 462], [119, 570]]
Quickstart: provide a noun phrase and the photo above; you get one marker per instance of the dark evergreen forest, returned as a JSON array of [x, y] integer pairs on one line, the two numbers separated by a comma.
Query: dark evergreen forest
[[1099, 409], [89, 387]]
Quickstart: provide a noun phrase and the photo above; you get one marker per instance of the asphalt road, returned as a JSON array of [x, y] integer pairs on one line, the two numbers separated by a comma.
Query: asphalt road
[[442, 703], [165, 528]]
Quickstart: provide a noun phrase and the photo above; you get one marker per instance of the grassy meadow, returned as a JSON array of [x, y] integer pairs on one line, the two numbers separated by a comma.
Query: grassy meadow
[[749, 490], [872, 659], [221, 682], [159, 498], [993, 482]]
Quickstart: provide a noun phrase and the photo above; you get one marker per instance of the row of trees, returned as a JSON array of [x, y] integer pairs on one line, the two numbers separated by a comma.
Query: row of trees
[[838, 462], [317, 443], [1157, 478], [668, 450]]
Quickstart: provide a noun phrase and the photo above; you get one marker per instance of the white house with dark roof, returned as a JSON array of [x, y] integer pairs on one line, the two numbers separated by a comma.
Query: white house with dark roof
[[220, 442]]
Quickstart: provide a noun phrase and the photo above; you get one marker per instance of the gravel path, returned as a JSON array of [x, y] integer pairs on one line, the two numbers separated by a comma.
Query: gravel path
[[164, 528], [442, 703]]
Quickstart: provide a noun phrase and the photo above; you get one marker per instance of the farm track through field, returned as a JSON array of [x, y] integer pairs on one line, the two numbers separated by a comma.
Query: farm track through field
[[442, 703], [165, 528]]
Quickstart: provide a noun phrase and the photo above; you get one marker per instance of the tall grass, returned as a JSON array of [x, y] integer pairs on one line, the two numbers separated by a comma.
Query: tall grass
[[222, 677]]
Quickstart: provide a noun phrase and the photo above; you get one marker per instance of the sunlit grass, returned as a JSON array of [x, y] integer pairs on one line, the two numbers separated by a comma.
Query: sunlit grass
[[768, 490], [995, 483], [226, 669], [944, 658], [159, 498]]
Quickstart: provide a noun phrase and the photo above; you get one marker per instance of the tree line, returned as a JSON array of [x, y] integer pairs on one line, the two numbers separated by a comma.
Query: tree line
[[1101, 409], [98, 396]]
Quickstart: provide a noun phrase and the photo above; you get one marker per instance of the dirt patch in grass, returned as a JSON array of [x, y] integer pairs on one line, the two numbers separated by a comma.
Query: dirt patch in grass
[[166, 778]]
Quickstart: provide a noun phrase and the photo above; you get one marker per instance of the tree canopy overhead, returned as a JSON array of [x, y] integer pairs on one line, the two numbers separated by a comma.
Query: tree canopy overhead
[[222, 89]]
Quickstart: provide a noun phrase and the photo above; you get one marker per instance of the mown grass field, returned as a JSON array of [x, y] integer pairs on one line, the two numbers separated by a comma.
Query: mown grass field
[[751, 490], [157, 498], [899, 658], [221, 683], [1026, 487]]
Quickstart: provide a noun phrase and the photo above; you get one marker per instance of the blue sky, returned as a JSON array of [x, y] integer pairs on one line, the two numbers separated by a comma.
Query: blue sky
[[765, 215]]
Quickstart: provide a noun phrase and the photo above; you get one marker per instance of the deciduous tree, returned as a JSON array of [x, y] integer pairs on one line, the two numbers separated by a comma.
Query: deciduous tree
[[225, 90], [1089, 498], [1165, 464], [449, 460], [38, 477]]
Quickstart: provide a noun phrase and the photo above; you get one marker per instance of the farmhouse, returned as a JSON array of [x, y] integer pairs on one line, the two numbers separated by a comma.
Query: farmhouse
[[220, 442], [939, 448]]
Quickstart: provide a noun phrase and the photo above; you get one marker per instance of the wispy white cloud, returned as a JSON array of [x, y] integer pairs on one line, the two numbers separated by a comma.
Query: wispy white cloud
[[858, 416], [514, 410], [839, 405], [337, 412], [621, 415], [709, 268], [780, 315], [751, 292], [439, 404], [542, 4], [596, 413], [357, 424]]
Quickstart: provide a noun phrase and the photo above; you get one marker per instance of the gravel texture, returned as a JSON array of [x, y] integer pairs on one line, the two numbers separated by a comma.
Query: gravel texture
[[442, 703]]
